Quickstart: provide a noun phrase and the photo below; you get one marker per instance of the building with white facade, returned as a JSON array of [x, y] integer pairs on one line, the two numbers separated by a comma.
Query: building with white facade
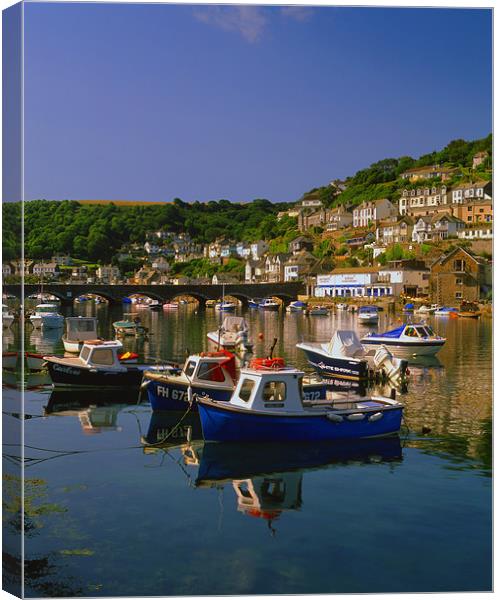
[[372, 211]]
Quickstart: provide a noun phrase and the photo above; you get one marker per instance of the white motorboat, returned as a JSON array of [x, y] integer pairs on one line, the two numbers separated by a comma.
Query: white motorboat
[[46, 316], [225, 306], [232, 335], [368, 314], [411, 339], [7, 317], [78, 331], [269, 304], [345, 357], [426, 310]]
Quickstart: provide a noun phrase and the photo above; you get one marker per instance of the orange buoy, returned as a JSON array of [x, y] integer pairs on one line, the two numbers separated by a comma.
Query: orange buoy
[[260, 336]]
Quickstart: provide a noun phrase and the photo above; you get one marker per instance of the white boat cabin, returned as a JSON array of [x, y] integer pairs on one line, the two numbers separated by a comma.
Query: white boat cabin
[[102, 354], [268, 390]]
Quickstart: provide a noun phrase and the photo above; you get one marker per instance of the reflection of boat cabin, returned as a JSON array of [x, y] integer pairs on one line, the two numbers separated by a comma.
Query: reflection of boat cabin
[[267, 496]]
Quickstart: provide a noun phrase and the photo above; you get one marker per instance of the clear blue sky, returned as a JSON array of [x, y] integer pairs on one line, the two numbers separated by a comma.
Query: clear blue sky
[[152, 102]]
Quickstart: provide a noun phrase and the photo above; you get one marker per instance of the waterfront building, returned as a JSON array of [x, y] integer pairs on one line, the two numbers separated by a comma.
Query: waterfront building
[[459, 275], [274, 267], [46, 270], [107, 273], [254, 270]]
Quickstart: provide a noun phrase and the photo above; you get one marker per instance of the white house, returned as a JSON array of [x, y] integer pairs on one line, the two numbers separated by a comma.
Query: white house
[[469, 191], [352, 282], [417, 200], [372, 211], [107, 272], [421, 230], [258, 249], [480, 232], [254, 270]]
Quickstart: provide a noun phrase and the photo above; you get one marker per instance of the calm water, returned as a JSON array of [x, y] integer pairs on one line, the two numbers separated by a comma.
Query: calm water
[[107, 515]]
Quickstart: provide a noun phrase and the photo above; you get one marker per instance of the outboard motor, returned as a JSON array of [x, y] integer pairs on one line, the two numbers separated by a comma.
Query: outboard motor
[[393, 367]]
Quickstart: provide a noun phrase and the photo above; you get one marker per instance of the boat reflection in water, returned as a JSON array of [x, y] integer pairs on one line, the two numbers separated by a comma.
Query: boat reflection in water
[[97, 411], [267, 479], [168, 429]]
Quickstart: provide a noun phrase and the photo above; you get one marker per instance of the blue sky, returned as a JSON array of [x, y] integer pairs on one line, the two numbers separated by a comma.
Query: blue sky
[[152, 102]]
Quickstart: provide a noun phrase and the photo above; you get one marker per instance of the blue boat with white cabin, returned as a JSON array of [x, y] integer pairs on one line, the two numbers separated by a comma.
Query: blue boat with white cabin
[[268, 405]]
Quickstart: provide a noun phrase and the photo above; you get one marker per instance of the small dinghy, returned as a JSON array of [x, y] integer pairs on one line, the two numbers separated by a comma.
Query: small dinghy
[[232, 335], [268, 406], [296, 306], [78, 330], [407, 340], [368, 314], [129, 328], [98, 365], [345, 357], [469, 310]]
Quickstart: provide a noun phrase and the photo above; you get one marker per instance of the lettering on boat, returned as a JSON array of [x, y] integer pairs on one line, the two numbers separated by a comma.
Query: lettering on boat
[[67, 370], [174, 394]]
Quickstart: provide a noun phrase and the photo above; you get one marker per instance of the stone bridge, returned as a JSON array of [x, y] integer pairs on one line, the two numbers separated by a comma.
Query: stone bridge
[[114, 294]]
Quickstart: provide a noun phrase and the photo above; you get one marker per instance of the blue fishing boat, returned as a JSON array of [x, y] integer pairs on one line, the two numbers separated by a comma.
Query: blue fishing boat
[[269, 304], [268, 405], [296, 306], [407, 340]]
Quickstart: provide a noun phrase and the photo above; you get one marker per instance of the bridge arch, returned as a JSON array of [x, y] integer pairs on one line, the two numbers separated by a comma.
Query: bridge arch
[[148, 294]]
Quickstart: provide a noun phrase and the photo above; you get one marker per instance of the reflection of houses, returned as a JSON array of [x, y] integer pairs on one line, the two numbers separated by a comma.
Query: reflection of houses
[[408, 277], [372, 211], [459, 275]]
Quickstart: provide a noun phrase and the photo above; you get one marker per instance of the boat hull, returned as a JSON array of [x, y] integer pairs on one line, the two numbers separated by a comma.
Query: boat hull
[[329, 366], [222, 424], [405, 349], [66, 375], [168, 395]]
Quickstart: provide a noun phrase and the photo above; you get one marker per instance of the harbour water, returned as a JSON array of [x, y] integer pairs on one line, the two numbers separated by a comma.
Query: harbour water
[[108, 513]]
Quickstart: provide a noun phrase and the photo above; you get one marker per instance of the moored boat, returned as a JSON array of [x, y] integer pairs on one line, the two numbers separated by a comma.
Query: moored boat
[[317, 311], [98, 365], [129, 328], [296, 306], [407, 340], [445, 311], [426, 310], [233, 335], [269, 304], [268, 406], [368, 314], [469, 310], [47, 316], [254, 303], [78, 330], [170, 306], [345, 357], [225, 306]]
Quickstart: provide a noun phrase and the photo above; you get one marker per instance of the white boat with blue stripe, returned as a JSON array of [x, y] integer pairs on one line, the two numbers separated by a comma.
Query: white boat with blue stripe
[[411, 339], [368, 314]]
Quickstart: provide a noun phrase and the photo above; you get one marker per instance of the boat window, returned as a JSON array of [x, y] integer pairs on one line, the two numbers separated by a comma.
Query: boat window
[[210, 372], [85, 351], [103, 356], [421, 331], [411, 332], [245, 390], [189, 368], [274, 391], [429, 330]]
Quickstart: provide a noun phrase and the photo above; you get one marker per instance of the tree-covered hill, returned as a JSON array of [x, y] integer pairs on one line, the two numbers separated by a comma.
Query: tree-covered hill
[[95, 232]]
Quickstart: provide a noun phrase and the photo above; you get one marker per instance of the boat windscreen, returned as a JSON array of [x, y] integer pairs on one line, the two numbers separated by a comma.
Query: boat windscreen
[[394, 333]]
